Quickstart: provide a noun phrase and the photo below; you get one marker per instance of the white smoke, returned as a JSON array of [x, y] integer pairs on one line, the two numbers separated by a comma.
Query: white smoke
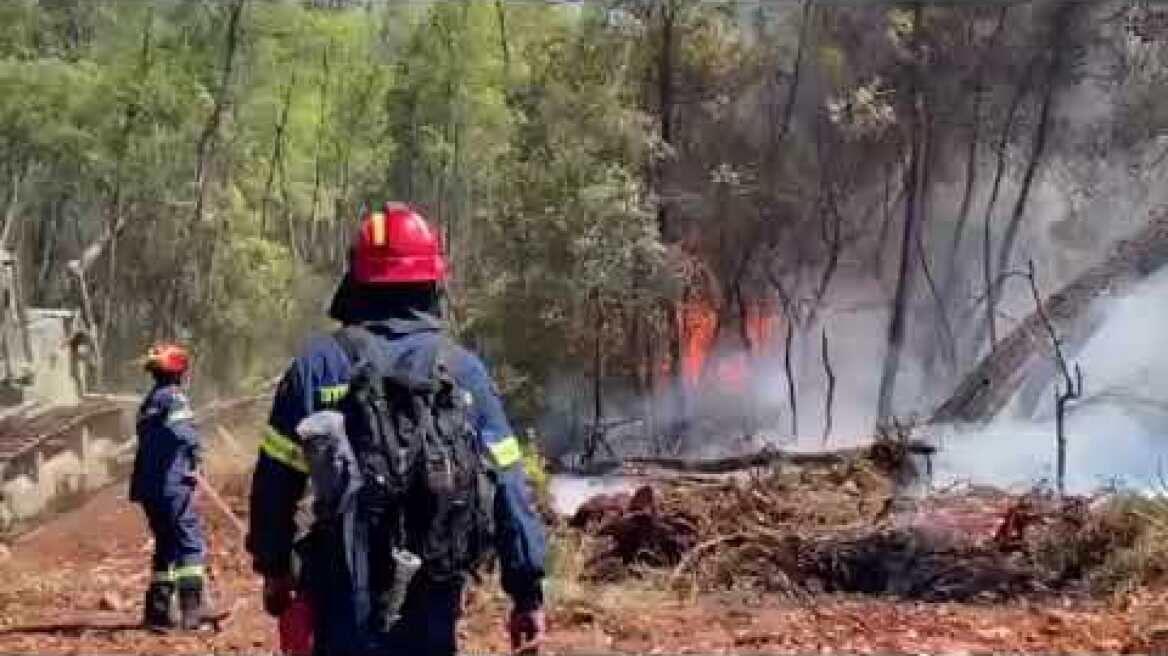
[[569, 491], [1118, 431]]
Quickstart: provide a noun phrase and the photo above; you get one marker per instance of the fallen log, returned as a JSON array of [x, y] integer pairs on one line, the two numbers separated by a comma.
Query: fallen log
[[759, 459], [991, 385], [884, 452]]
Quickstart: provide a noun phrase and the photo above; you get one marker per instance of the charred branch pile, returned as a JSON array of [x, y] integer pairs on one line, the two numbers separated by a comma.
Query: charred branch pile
[[834, 529]]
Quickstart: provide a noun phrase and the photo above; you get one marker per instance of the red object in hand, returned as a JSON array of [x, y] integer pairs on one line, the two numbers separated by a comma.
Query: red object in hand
[[296, 628], [527, 629]]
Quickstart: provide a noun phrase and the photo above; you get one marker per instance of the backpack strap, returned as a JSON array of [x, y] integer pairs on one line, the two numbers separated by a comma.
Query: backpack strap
[[354, 341], [441, 359]]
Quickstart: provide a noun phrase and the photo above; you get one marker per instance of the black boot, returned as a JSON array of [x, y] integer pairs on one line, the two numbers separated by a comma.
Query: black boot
[[192, 602], [158, 611]]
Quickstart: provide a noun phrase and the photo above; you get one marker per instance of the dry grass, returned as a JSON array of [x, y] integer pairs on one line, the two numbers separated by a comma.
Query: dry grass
[[570, 588], [1143, 560]]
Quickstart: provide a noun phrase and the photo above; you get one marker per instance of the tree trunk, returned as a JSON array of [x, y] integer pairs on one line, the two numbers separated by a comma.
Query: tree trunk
[[501, 13], [896, 328], [788, 368], [943, 339], [210, 133], [316, 167], [665, 94], [677, 407], [991, 385], [793, 91], [1055, 54], [987, 226], [596, 435], [970, 164], [888, 207], [277, 154], [749, 416], [829, 397]]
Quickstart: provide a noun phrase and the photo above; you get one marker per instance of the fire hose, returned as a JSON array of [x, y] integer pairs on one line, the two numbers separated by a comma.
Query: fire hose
[[217, 500], [295, 622]]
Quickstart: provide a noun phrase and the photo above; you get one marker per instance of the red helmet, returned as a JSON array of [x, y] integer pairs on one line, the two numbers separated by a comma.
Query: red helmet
[[396, 245], [167, 358]]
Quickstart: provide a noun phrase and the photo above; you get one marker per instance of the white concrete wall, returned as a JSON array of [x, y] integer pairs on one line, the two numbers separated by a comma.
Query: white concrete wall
[[53, 380], [21, 499], [35, 483]]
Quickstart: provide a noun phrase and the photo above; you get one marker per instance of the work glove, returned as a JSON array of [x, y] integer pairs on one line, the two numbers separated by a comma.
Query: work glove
[[277, 594], [191, 478], [527, 629]]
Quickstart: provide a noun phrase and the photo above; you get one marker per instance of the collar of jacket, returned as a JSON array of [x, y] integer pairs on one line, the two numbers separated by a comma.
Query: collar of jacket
[[416, 323]]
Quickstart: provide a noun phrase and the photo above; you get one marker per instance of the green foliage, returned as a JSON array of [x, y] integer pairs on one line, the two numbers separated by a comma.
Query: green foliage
[[233, 151], [535, 466], [297, 118]]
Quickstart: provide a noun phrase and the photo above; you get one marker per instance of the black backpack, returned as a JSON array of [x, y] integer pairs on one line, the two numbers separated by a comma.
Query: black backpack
[[426, 483]]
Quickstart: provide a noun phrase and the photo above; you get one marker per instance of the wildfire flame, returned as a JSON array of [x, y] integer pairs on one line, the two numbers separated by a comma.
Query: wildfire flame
[[698, 327]]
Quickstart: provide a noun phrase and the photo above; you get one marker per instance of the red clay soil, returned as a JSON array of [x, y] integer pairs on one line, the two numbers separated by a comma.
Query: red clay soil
[[75, 585]]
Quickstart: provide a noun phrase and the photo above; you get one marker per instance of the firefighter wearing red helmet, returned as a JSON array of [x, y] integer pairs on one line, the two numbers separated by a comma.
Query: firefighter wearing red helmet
[[163, 482], [353, 562]]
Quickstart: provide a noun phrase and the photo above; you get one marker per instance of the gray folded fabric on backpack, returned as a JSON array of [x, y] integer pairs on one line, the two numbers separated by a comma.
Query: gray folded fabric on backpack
[[332, 465]]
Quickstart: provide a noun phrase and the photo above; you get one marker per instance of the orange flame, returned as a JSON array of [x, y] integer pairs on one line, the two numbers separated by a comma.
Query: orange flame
[[697, 323]]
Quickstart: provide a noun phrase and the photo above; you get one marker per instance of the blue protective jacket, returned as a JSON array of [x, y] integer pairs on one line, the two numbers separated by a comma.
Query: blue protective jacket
[[168, 445], [317, 379]]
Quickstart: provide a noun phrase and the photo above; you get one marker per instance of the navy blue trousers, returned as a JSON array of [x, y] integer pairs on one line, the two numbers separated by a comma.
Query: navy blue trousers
[[337, 579], [178, 537], [427, 626]]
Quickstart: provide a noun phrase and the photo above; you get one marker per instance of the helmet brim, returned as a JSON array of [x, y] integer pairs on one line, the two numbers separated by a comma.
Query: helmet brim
[[341, 308]]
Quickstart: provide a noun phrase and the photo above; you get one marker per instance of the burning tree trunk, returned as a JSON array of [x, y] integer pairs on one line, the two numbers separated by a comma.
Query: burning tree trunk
[[987, 389]]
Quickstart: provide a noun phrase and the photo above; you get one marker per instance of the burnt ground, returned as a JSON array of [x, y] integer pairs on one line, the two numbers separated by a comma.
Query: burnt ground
[[74, 586]]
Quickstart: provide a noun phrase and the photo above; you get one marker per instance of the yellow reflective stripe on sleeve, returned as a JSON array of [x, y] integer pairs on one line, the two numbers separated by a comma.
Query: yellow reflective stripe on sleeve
[[189, 572], [163, 577], [284, 451], [183, 414], [505, 452], [332, 394]]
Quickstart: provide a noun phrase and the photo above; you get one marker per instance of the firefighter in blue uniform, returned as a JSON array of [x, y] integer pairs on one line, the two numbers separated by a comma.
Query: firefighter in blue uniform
[[163, 482], [392, 289]]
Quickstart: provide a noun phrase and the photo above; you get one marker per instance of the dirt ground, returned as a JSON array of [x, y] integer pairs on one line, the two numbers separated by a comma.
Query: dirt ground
[[75, 586]]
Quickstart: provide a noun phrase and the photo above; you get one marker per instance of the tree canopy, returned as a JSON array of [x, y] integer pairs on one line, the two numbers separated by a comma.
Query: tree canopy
[[600, 171]]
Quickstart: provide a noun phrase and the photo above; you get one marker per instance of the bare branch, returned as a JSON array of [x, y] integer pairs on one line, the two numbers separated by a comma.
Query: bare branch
[[830, 397], [1072, 386], [210, 133], [791, 396], [793, 91], [987, 226]]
